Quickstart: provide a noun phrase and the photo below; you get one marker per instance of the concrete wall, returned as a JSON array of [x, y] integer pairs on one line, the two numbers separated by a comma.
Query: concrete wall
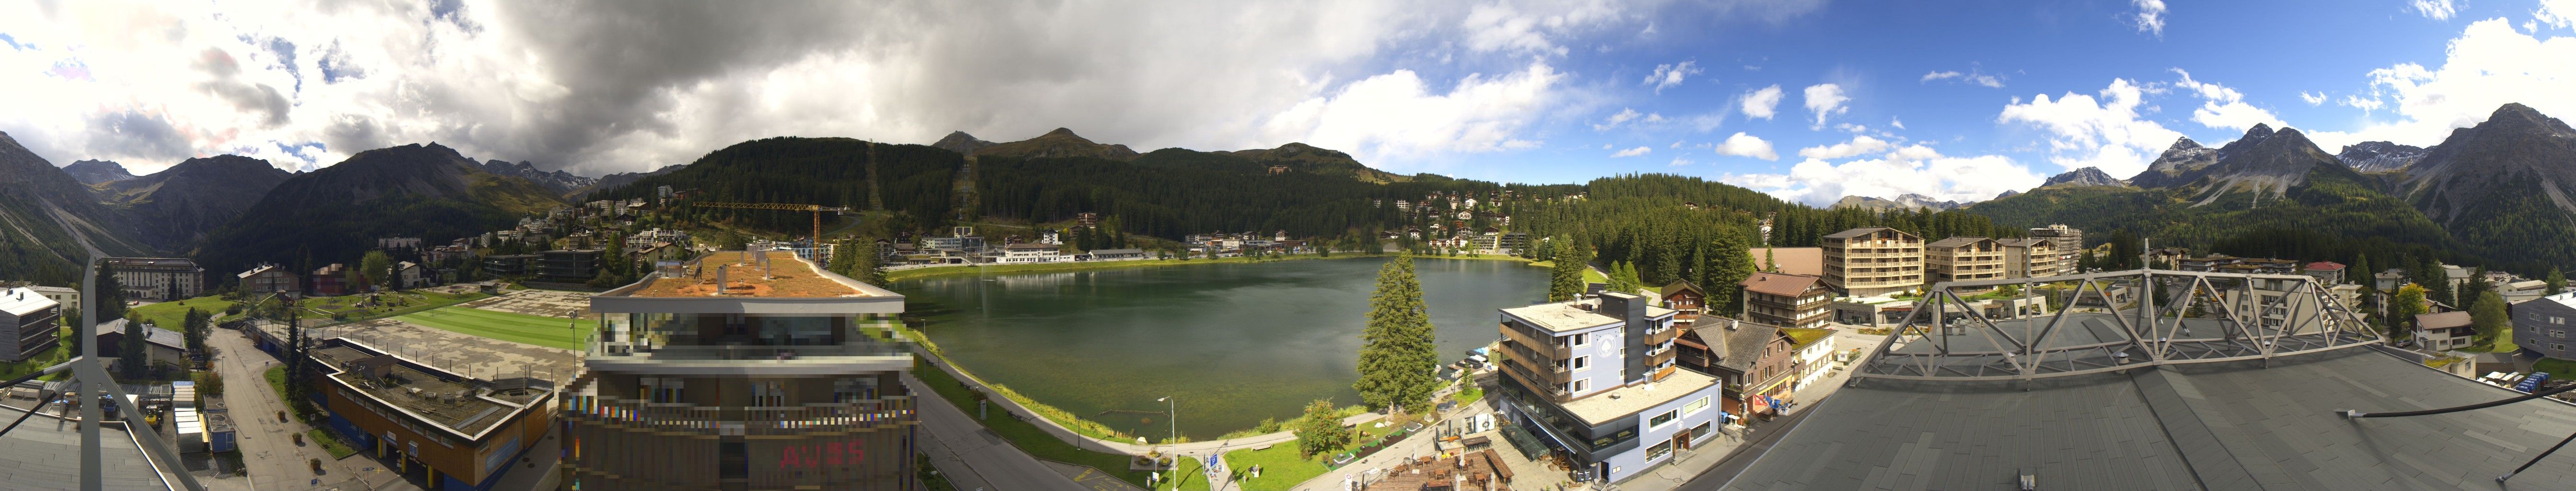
[[2545, 326], [1605, 366]]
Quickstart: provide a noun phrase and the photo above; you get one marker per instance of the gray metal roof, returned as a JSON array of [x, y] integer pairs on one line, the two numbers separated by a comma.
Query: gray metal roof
[[44, 454], [2230, 426]]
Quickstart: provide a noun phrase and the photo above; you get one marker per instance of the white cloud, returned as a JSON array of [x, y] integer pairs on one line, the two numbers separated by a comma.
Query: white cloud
[[1676, 144], [2488, 65], [1668, 75], [2313, 98], [1912, 169], [1678, 162], [1858, 145], [2560, 13], [2103, 132], [1826, 100], [1971, 77], [599, 87], [1898, 123], [2365, 104], [1397, 115], [1628, 115], [1632, 152], [1763, 103], [2151, 16], [1743, 145], [2436, 9], [2224, 107]]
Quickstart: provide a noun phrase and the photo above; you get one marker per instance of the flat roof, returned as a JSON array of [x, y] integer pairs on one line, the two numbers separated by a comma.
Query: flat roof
[[1598, 409], [45, 455], [1561, 317], [453, 402], [789, 277], [22, 301], [2233, 426]]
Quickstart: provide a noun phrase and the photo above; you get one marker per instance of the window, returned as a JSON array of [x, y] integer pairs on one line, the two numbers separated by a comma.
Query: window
[[1580, 385], [1660, 450], [2558, 333], [1581, 362], [768, 394], [2557, 320], [1663, 419], [1582, 340], [2558, 348]]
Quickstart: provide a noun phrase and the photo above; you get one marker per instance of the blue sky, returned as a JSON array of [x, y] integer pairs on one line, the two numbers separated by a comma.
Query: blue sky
[[1991, 96]]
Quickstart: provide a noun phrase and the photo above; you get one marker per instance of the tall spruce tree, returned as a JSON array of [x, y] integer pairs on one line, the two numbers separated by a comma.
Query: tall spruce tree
[[133, 360], [1398, 356], [2557, 281], [1729, 262], [1565, 281], [109, 300]]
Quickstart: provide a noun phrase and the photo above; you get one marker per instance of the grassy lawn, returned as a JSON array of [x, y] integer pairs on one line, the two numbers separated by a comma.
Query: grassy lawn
[[505, 326], [276, 376], [1037, 442], [10, 370], [170, 315], [330, 442], [1468, 396], [1281, 469], [2557, 368], [1186, 475]]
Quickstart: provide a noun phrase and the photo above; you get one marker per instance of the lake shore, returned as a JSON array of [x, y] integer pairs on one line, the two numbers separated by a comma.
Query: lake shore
[[906, 274]]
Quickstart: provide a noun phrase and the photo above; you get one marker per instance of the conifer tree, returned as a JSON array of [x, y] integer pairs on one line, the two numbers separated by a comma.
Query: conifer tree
[[1397, 351], [1566, 280], [1728, 264], [2557, 281]]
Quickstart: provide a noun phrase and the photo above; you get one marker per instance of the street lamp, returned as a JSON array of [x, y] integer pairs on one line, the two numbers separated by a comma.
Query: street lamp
[[1175, 416]]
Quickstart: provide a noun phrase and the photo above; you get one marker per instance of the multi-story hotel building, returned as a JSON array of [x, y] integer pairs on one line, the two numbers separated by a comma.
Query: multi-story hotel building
[[1873, 261], [2069, 242], [1595, 378], [2029, 257], [742, 371], [158, 278], [1964, 259], [30, 322]]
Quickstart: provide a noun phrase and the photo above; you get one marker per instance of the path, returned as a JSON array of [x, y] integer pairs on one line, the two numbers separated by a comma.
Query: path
[[974, 458], [273, 459]]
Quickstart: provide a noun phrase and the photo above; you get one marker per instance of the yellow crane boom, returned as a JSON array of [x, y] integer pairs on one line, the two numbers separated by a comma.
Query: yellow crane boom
[[816, 209]]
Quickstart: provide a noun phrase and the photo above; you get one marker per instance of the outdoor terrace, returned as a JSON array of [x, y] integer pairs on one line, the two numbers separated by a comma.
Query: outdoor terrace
[[449, 401], [783, 275]]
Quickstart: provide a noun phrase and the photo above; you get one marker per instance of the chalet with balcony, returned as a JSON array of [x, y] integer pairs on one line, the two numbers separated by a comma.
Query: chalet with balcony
[[1685, 299], [1786, 299]]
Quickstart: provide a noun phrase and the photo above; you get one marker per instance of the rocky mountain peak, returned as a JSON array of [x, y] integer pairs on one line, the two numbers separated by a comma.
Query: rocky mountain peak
[[962, 143], [1061, 132], [558, 181], [2378, 156], [98, 171], [2088, 176]]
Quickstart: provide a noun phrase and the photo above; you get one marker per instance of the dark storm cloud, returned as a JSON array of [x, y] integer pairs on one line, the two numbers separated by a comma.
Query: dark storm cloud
[[137, 134]]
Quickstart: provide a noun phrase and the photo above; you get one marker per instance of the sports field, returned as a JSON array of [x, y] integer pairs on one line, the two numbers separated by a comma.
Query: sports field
[[516, 328]]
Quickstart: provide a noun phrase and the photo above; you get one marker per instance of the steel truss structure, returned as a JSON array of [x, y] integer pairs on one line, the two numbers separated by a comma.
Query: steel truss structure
[[2169, 317]]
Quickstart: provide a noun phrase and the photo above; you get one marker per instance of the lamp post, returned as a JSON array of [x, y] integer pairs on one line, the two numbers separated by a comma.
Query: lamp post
[[1175, 416]]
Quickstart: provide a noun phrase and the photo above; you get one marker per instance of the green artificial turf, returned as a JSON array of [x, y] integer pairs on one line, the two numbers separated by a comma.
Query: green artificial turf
[[505, 326]]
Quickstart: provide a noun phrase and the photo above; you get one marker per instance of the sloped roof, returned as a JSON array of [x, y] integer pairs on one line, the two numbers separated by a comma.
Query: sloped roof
[[1789, 285], [2443, 320], [1956, 241], [1846, 234]]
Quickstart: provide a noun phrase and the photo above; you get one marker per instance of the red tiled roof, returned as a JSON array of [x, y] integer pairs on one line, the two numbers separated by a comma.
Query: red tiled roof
[[2325, 266], [1787, 285]]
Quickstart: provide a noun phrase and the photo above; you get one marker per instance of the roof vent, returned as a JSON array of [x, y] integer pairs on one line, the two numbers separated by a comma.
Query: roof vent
[[2028, 482]]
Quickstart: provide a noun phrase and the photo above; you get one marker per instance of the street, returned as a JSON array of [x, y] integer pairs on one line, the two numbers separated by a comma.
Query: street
[[977, 459], [274, 460]]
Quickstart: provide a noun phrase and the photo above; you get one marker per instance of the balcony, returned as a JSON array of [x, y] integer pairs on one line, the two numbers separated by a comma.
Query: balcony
[[1539, 348], [747, 421]]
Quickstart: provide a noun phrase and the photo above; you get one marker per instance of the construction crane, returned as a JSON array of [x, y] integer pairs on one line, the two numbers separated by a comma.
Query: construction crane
[[816, 209]]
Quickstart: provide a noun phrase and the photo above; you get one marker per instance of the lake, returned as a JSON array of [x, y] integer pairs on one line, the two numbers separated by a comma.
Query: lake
[[1235, 342]]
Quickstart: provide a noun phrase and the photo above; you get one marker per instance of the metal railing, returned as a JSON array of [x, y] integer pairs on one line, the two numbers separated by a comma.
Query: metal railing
[[789, 420]]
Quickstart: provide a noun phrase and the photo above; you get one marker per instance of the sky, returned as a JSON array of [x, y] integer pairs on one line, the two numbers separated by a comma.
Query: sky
[[1809, 100]]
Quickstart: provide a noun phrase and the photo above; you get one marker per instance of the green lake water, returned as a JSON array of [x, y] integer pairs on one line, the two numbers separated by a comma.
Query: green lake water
[[1235, 342]]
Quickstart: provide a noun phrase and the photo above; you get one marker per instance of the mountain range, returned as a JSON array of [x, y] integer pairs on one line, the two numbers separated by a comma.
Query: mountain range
[[2495, 193], [1907, 201]]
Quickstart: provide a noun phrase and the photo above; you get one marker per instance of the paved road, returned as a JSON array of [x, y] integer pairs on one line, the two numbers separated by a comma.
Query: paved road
[[974, 458], [274, 461]]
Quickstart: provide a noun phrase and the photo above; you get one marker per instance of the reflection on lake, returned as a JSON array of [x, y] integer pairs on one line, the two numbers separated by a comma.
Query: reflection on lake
[[1236, 342]]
